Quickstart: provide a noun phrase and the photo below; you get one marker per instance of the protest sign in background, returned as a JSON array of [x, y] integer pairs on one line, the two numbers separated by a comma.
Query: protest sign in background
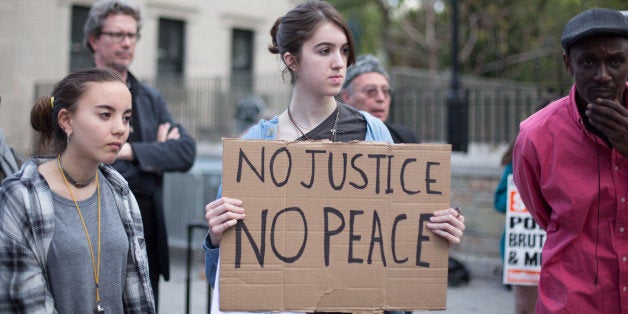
[[524, 242]]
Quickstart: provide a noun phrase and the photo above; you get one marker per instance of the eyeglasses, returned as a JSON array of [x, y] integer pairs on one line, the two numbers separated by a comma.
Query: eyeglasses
[[119, 37], [373, 91]]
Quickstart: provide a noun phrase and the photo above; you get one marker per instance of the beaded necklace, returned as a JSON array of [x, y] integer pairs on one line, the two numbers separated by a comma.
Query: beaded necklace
[[69, 177]]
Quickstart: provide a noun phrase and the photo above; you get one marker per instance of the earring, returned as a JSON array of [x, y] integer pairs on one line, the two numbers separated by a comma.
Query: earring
[[68, 138]]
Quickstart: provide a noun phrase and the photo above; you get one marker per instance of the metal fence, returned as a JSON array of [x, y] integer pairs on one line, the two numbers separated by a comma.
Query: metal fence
[[495, 106], [206, 105]]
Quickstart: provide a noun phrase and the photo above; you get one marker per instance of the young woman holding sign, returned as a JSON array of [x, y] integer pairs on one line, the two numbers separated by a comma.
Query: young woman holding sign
[[315, 44]]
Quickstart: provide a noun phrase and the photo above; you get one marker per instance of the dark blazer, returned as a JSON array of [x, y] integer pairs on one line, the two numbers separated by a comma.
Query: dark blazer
[[152, 159], [402, 134]]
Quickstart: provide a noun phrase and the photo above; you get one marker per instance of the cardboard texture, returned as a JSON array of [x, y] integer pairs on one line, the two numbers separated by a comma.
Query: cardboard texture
[[334, 226]]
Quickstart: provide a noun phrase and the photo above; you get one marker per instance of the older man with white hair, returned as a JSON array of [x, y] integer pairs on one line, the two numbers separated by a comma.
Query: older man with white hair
[[367, 88]]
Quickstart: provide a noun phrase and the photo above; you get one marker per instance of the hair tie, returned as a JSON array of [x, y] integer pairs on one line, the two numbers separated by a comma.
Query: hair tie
[[52, 102]]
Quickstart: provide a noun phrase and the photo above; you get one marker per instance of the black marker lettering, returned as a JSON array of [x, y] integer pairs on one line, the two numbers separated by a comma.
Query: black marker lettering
[[362, 174], [402, 177], [330, 171], [313, 152], [241, 157], [272, 235], [420, 239], [377, 225], [353, 237], [398, 219], [389, 190], [272, 168], [378, 157], [259, 250], [329, 233], [428, 178]]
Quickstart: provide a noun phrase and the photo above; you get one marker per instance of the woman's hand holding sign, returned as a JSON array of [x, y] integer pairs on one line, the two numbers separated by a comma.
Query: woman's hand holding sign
[[221, 215], [448, 223]]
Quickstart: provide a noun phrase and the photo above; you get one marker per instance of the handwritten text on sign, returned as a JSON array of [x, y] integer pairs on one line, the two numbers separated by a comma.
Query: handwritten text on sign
[[332, 226]]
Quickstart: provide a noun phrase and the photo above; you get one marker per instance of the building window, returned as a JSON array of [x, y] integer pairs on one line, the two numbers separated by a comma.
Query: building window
[[171, 54], [242, 60], [79, 56]]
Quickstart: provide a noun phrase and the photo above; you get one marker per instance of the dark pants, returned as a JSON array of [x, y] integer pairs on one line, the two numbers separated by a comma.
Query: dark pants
[[147, 209]]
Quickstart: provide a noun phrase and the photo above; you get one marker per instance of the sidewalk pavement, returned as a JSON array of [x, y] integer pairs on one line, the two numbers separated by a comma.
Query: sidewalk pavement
[[479, 296]]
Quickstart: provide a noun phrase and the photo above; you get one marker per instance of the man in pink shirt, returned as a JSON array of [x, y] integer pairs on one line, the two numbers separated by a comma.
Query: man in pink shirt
[[571, 167]]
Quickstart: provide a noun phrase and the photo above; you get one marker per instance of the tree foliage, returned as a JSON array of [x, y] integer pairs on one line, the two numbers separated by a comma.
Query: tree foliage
[[517, 40]]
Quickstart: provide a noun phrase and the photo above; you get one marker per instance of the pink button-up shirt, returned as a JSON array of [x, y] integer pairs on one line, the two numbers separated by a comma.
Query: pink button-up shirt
[[576, 187]]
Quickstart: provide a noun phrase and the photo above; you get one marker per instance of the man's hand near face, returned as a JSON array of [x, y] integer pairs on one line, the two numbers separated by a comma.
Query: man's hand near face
[[611, 118]]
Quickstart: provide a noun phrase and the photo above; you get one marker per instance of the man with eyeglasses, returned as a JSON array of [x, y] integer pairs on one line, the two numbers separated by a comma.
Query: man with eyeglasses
[[367, 88], [156, 144]]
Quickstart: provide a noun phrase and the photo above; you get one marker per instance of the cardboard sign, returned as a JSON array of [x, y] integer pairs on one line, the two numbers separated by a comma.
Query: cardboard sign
[[524, 242], [334, 226]]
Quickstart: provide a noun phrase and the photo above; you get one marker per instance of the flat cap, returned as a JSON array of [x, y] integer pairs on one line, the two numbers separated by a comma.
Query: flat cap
[[364, 64], [593, 22]]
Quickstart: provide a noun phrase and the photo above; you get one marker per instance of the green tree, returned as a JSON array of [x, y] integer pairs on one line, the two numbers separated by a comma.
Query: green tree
[[517, 40]]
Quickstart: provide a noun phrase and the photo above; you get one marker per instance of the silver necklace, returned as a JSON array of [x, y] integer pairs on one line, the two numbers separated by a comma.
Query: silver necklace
[[334, 130]]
